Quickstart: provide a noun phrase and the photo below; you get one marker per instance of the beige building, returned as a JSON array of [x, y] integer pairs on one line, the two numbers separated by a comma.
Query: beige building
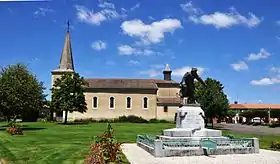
[[111, 98]]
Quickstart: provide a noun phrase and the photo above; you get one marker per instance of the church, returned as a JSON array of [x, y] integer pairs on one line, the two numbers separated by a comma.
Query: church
[[111, 98]]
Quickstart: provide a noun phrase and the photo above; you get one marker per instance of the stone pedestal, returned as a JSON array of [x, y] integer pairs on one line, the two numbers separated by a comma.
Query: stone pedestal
[[190, 123]]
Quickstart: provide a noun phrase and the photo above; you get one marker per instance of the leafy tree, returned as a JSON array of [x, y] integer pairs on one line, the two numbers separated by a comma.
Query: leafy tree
[[212, 99], [21, 94], [68, 94]]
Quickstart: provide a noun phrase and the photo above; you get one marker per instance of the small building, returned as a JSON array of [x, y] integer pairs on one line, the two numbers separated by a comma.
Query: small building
[[111, 98], [269, 108]]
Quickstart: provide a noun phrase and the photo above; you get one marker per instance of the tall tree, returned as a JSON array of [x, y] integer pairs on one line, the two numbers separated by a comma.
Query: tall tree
[[21, 94], [68, 94], [212, 99]]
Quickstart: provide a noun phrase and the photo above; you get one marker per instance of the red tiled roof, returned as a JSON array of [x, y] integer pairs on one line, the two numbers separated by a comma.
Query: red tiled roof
[[254, 106]]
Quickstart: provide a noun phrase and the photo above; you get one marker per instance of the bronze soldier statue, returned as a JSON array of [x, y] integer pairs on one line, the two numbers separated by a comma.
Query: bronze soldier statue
[[188, 87]]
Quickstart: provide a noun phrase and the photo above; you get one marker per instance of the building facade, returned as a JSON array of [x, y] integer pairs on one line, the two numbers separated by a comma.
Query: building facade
[[111, 98]]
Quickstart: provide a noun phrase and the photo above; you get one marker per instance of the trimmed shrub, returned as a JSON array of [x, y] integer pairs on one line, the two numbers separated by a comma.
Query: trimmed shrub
[[132, 119], [274, 125], [106, 149], [275, 145], [158, 121], [122, 119], [14, 128]]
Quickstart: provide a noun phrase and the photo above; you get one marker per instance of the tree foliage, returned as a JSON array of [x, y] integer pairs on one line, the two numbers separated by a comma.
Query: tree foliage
[[212, 99], [68, 94], [21, 94]]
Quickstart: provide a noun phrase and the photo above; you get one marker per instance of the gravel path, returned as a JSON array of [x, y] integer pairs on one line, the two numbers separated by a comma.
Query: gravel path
[[137, 155], [261, 130]]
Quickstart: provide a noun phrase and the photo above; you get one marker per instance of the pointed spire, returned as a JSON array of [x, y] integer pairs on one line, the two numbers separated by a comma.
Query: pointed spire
[[167, 72], [167, 68], [66, 60]]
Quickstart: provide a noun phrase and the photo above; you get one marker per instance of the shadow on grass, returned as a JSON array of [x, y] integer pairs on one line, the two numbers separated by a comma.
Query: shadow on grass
[[75, 123], [24, 127]]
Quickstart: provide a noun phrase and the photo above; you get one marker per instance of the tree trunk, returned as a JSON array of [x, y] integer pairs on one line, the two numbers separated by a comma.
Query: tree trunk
[[65, 118], [8, 118], [212, 122], [51, 115]]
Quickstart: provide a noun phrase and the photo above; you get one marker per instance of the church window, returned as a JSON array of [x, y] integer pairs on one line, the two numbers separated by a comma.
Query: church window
[[165, 109], [128, 102], [94, 102], [112, 102], [145, 102]]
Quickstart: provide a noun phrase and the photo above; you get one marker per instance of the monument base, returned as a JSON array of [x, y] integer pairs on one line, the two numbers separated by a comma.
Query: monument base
[[188, 132]]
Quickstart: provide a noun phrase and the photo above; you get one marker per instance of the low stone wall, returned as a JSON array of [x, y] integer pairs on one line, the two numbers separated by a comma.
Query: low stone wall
[[159, 150], [148, 148], [200, 151]]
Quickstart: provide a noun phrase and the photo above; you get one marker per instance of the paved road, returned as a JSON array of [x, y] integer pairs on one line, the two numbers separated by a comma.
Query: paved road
[[261, 130]]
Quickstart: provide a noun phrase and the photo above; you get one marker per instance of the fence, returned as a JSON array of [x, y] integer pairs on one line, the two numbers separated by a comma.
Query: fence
[[160, 148]]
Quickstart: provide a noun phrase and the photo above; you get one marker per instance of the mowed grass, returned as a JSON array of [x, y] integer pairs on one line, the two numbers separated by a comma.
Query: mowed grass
[[62, 144]]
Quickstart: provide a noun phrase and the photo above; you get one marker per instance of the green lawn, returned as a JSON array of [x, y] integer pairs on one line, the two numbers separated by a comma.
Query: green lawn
[[61, 144]]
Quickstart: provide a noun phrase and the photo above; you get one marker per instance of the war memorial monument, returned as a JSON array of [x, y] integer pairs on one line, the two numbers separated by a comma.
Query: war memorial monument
[[190, 137]]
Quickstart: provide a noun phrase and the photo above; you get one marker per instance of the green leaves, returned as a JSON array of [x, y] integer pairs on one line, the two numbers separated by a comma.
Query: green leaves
[[212, 98], [20, 92], [68, 94]]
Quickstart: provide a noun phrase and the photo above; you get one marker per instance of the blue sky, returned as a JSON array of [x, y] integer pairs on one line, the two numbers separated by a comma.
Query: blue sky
[[235, 42]]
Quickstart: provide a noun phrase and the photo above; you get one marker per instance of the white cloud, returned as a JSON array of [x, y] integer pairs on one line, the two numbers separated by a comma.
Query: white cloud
[[134, 62], [128, 50], [106, 5], [266, 81], [263, 54], [275, 69], [110, 62], [151, 18], [107, 12], [179, 72], [278, 22], [99, 45], [241, 65], [135, 7], [43, 11], [190, 9], [151, 73], [157, 66], [150, 33], [220, 19]]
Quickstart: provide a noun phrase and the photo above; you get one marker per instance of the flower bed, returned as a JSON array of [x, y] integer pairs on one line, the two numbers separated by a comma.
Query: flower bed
[[14, 129], [106, 149]]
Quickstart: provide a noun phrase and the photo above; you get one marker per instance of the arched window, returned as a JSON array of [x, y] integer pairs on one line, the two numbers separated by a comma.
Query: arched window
[[94, 102], [128, 103], [112, 102], [145, 102]]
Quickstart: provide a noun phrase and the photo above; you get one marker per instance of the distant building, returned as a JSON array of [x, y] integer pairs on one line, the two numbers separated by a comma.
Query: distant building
[[239, 108], [111, 98]]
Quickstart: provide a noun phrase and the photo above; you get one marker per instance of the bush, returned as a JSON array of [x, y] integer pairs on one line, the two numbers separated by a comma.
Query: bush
[[274, 125], [106, 149], [158, 121], [275, 145], [14, 128], [132, 119], [230, 136]]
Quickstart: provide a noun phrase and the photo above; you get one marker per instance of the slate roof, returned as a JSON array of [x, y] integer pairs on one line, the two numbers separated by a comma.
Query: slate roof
[[127, 83]]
